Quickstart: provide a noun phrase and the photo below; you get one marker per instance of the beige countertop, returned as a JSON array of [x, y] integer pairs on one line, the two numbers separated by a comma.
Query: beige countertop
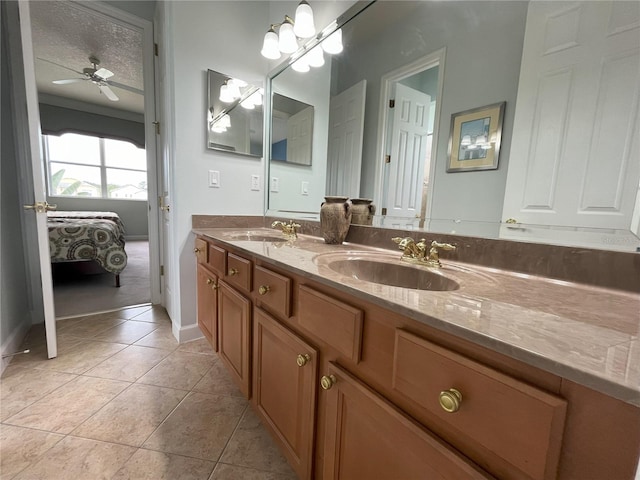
[[589, 335]]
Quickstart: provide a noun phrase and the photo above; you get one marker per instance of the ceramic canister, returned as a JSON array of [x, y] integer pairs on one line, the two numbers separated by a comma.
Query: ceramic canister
[[335, 219]]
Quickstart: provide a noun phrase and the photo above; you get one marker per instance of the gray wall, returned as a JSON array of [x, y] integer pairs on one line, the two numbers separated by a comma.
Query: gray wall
[[14, 304], [483, 49]]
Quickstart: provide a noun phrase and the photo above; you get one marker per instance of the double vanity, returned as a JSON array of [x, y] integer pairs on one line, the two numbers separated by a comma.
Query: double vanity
[[362, 365]]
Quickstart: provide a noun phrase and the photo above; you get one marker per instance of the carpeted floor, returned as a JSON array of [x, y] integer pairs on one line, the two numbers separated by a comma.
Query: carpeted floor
[[83, 287]]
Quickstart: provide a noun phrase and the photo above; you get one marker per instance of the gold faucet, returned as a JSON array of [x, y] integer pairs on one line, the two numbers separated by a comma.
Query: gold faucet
[[416, 252], [289, 230]]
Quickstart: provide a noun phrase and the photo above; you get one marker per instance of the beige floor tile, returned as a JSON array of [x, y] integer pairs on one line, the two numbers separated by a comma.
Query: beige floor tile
[[234, 472], [180, 370], [134, 311], [129, 364], [20, 447], [79, 459], [160, 338], [218, 381], [132, 416], [81, 357], [252, 446], [89, 327], [155, 315], [126, 332], [38, 357], [20, 387], [150, 465], [200, 427], [197, 346], [68, 406]]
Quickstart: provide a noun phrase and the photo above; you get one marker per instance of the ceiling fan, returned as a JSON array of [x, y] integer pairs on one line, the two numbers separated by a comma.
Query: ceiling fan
[[98, 76]]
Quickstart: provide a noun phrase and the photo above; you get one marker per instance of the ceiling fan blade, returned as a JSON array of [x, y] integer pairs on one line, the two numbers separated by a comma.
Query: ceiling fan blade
[[68, 80], [58, 65], [126, 87], [108, 93], [104, 73]]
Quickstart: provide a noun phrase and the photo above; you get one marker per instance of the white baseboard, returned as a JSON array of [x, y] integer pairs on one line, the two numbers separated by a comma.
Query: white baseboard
[[13, 342], [131, 238], [186, 334]]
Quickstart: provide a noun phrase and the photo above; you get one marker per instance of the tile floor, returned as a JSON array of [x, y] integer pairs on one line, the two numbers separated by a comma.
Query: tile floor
[[123, 400]]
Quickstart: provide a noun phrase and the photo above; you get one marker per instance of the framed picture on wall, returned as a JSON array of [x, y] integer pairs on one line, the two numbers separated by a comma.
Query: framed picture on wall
[[474, 139]]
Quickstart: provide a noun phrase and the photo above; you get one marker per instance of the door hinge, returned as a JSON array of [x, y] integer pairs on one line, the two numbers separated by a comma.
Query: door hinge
[[384, 211], [155, 49], [162, 270], [157, 125], [387, 159], [392, 103]]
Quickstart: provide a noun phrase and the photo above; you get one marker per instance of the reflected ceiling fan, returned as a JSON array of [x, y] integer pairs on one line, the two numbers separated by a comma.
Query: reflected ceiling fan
[[98, 76]]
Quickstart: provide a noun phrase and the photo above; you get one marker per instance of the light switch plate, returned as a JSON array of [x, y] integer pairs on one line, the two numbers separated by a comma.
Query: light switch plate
[[275, 184], [255, 182], [214, 179], [304, 190]]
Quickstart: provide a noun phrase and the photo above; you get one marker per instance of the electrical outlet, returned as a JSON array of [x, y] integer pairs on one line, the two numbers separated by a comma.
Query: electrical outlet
[[214, 179], [275, 184], [304, 190], [255, 182]]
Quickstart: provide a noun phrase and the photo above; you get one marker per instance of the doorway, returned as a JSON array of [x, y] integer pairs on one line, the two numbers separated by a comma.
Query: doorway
[[65, 57]]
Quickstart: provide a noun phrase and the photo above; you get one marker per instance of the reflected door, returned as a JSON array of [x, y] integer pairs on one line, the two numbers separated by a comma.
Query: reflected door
[[408, 152]]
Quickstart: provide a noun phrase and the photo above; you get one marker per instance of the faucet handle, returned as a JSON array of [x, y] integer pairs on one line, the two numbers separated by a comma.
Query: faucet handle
[[443, 246]]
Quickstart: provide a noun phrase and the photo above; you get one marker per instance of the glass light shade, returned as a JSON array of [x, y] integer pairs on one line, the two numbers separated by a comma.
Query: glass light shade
[[287, 39], [247, 103], [226, 94], [486, 146], [315, 57], [225, 121], [333, 43], [218, 128], [466, 140], [303, 25], [481, 140], [270, 48], [256, 98], [301, 65], [237, 82], [234, 90]]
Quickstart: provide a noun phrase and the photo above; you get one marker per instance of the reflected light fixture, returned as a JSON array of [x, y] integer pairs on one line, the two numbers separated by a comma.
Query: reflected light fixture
[[333, 43], [301, 65], [290, 30]]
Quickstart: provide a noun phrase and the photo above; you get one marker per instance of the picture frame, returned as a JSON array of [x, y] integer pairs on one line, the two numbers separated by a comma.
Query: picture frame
[[474, 139]]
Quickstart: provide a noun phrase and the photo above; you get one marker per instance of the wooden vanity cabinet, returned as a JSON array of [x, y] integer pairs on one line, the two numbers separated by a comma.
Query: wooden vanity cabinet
[[207, 301], [285, 369]]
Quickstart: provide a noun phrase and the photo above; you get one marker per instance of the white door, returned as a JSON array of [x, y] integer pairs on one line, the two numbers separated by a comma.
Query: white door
[[575, 152], [408, 152], [30, 144], [300, 137], [346, 131]]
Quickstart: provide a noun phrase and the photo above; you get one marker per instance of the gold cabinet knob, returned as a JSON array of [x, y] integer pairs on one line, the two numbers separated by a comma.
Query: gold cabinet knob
[[303, 359], [233, 271], [209, 281], [327, 381], [263, 289], [196, 250], [450, 400]]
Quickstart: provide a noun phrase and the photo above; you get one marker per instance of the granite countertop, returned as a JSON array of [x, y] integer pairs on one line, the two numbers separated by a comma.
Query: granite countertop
[[589, 335]]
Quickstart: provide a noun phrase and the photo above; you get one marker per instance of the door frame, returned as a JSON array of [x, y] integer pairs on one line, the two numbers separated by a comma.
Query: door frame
[[431, 60]]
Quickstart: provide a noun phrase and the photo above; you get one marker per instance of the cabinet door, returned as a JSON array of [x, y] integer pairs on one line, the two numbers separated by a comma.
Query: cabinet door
[[368, 437], [284, 388], [234, 334], [207, 286]]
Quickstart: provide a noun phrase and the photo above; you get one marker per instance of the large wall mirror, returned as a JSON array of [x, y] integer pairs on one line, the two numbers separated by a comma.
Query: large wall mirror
[[569, 167], [234, 115]]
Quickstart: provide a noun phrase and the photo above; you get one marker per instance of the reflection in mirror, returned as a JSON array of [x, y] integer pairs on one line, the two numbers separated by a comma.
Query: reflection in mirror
[[568, 169], [234, 115], [291, 130]]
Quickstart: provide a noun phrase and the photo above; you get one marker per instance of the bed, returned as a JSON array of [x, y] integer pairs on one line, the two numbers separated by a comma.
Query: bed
[[76, 236]]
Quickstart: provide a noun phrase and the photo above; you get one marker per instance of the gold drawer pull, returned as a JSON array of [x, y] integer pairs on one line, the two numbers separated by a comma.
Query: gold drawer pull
[[327, 381], [263, 289], [233, 271], [196, 250], [303, 359], [450, 400]]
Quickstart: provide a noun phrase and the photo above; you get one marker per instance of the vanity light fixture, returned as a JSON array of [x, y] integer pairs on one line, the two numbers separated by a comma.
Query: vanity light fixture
[[301, 65], [290, 30]]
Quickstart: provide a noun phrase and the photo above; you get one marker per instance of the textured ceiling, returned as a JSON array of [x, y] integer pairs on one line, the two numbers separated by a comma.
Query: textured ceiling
[[66, 35]]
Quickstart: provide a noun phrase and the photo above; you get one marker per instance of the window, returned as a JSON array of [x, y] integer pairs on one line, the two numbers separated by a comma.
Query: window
[[85, 166]]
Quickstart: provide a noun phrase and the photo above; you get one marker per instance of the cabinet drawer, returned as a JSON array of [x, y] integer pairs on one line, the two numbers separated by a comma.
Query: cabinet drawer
[[201, 250], [274, 291], [517, 422], [238, 272], [217, 259], [332, 321]]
